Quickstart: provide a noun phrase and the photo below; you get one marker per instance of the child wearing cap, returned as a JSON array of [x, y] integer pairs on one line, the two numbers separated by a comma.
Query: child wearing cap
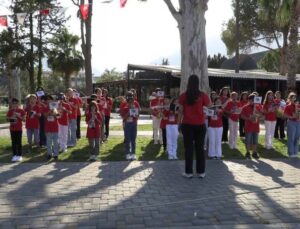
[[15, 116], [32, 124], [130, 114]]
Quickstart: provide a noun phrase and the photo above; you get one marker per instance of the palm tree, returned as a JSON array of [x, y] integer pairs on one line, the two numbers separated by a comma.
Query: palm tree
[[63, 57], [287, 17]]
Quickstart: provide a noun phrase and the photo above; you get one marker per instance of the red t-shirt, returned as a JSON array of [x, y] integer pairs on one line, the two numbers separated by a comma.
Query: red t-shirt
[[250, 126], [216, 121], [193, 114], [93, 128], [154, 106], [224, 99], [172, 117], [15, 122], [64, 117], [32, 117], [233, 108], [164, 120], [80, 102], [243, 102], [109, 105], [125, 112], [51, 123], [269, 110], [290, 110], [74, 106]]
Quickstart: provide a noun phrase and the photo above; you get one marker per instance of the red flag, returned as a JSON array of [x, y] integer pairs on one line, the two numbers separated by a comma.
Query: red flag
[[45, 12], [3, 21], [84, 9], [123, 3]]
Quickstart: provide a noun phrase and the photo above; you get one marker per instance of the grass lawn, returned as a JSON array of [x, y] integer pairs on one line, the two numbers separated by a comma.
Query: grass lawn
[[113, 150], [142, 127], [3, 112]]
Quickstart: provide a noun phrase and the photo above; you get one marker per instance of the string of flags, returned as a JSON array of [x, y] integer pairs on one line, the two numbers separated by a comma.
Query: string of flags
[[84, 10]]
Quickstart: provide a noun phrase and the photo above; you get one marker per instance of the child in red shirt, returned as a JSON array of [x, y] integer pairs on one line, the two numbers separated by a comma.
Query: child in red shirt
[[269, 110], [243, 102], [215, 130], [130, 114], [94, 121], [172, 129], [32, 125], [51, 128], [233, 109], [251, 114], [64, 110], [15, 116]]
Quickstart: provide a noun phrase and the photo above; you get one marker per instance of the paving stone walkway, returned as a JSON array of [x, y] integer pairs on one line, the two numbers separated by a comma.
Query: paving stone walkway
[[240, 194]]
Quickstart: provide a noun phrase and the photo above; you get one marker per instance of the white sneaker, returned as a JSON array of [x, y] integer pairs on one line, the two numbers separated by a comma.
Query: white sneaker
[[200, 175], [133, 157], [128, 157], [187, 175], [19, 159], [14, 158]]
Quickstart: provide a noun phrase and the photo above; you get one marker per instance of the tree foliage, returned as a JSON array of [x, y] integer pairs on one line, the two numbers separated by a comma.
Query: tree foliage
[[63, 56], [216, 61], [110, 75]]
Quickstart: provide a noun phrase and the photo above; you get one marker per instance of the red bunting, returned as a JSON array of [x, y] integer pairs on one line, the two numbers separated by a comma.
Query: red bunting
[[3, 21], [45, 12], [123, 3], [84, 9]]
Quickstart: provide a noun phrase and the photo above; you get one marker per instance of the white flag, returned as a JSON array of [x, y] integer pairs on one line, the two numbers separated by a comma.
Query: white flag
[[21, 18]]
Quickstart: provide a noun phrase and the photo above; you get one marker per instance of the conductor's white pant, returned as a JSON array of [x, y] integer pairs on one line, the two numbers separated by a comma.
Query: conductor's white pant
[[172, 136], [269, 133], [62, 137], [157, 132], [215, 141], [233, 133]]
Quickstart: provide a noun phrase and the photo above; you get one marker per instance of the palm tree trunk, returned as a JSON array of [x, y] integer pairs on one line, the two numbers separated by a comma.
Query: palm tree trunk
[[293, 49], [67, 80], [283, 68]]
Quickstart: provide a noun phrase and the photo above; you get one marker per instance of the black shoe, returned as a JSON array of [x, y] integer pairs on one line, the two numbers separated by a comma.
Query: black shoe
[[55, 158], [255, 155], [248, 155], [49, 157]]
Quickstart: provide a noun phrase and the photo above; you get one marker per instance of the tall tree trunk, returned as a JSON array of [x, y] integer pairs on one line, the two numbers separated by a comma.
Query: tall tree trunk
[[191, 24], [13, 80], [237, 37], [31, 64], [40, 53], [88, 52], [293, 50], [67, 80], [283, 68]]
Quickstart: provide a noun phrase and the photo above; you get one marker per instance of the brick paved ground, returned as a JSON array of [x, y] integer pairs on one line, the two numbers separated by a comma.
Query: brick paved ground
[[150, 194]]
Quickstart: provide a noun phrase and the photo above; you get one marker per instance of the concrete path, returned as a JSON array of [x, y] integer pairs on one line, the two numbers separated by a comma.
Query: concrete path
[[234, 194]]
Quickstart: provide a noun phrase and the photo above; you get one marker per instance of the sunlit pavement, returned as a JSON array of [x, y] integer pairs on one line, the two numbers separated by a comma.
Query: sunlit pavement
[[240, 194]]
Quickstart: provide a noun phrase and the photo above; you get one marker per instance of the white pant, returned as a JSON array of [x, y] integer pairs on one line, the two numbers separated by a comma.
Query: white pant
[[172, 136], [233, 133], [269, 133], [62, 136], [215, 141], [157, 132]]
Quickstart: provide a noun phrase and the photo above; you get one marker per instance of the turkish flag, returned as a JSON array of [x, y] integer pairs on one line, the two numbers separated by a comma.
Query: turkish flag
[[45, 12], [84, 9], [123, 3], [3, 21]]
